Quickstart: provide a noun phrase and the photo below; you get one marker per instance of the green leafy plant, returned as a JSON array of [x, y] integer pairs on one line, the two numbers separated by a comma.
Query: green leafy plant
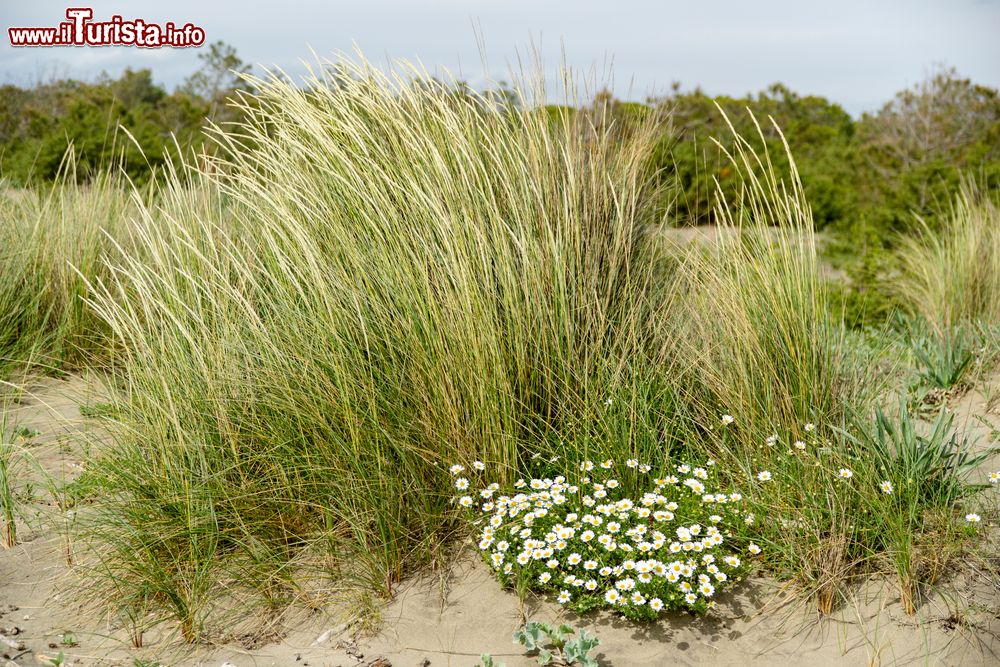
[[944, 359], [614, 536], [95, 410], [937, 463], [557, 646], [25, 433], [922, 476]]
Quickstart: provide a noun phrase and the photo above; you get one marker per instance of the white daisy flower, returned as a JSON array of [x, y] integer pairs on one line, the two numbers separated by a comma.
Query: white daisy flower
[[727, 420], [764, 476], [886, 487], [972, 517]]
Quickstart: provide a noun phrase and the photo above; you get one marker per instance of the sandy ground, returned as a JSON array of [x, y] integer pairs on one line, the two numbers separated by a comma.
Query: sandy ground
[[451, 618]]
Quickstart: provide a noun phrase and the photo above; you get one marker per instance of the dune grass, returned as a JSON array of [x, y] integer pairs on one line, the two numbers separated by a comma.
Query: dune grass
[[382, 276], [52, 240], [951, 273], [403, 278]]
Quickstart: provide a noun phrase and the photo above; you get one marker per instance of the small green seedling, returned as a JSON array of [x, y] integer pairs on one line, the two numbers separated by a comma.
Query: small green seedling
[[57, 661], [68, 639], [26, 433], [559, 646]]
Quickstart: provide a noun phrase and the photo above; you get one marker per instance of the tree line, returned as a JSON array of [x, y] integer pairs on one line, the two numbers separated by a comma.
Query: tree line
[[865, 176]]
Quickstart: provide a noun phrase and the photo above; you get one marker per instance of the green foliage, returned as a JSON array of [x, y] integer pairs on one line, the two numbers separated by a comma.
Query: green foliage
[[39, 125], [557, 646], [944, 358], [935, 466], [25, 433], [688, 156], [633, 538], [922, 475]]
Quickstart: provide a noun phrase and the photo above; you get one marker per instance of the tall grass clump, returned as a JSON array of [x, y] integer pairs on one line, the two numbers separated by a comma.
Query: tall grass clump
[[950, 274], [385, 276], [766, 350], [51, 242], [8, 465], [949, 280], [835, 489]]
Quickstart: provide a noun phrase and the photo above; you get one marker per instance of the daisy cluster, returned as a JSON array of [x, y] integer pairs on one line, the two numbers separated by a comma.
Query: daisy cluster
[[590, 543]]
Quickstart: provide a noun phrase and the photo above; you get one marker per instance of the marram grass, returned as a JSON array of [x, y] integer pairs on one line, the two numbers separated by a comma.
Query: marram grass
[[401, 277], [382, 277], [51, 242], [950, 274]]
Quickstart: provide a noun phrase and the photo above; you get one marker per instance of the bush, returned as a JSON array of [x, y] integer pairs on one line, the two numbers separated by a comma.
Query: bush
[[590, 538]]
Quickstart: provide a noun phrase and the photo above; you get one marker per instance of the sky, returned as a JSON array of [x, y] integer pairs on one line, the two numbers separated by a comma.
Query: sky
[[857, 53]]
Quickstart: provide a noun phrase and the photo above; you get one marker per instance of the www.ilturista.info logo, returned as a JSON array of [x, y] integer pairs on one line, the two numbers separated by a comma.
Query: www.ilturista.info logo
[[80, 30]]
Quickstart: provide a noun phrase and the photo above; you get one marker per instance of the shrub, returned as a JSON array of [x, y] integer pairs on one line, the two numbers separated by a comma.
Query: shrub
[[592, 541]]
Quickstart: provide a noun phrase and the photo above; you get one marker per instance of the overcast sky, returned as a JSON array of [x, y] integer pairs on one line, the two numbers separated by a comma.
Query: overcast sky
[[856, 52]]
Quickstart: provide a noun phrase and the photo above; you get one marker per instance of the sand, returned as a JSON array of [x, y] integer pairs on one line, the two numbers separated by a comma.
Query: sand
[[450, 618]]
